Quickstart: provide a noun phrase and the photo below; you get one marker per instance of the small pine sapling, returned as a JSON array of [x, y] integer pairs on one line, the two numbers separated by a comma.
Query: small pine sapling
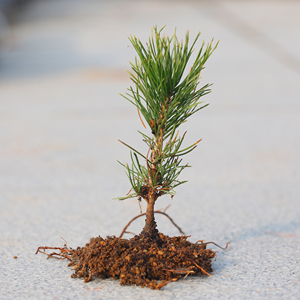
[[165, 98]]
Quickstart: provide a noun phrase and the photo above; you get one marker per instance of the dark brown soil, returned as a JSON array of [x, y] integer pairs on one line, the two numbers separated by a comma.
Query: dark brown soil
[[139, 261]]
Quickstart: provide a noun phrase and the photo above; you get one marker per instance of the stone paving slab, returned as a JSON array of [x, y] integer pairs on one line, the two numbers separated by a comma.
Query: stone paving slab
[[61, 70]]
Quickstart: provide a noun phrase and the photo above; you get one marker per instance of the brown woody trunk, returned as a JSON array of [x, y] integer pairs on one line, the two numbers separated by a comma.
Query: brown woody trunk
[[150, 226]]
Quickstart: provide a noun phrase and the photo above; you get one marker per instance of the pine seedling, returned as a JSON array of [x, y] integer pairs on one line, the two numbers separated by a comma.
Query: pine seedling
[[165, 98]]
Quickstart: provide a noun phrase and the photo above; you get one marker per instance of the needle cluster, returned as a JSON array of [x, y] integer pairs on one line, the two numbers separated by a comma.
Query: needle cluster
[[165, 99]]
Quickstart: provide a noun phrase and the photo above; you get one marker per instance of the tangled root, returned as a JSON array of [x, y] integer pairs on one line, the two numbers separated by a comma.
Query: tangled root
[[139, 261]]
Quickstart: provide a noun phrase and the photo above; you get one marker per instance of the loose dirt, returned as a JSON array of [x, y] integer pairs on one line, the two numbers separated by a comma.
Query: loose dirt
[[140, 260]]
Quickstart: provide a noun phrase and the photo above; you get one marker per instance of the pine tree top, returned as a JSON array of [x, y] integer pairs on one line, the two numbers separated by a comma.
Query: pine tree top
[[165, 99]]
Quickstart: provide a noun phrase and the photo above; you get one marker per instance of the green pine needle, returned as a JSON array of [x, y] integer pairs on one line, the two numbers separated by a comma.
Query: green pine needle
[[165, 99]]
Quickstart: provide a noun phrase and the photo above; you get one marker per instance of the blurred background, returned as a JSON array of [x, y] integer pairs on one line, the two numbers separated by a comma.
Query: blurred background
[[63, 64]]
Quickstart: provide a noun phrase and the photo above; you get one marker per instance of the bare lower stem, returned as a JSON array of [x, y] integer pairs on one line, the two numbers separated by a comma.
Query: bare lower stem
[[150, 226], [143, 214]]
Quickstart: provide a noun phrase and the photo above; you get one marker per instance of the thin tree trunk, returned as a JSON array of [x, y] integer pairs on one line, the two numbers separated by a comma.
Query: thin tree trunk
[[150, 226]]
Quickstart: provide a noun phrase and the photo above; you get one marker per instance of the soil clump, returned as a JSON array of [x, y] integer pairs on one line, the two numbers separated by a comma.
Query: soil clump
[[140, 260]]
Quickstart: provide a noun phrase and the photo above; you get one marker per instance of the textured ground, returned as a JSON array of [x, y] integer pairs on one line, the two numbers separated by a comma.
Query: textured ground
[[62, 65]]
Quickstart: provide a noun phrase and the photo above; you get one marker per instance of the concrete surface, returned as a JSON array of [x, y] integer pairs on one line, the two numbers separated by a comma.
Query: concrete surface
[[61, 68]]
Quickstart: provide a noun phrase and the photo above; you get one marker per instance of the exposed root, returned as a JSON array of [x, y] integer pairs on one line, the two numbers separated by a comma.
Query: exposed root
[[203, 271], [156, 212], [65, 253], [140, 260], [130, 232], [204, 244]]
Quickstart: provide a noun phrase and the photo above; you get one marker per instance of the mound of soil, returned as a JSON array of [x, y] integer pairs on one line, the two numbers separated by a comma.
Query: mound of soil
[[140, 260]]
